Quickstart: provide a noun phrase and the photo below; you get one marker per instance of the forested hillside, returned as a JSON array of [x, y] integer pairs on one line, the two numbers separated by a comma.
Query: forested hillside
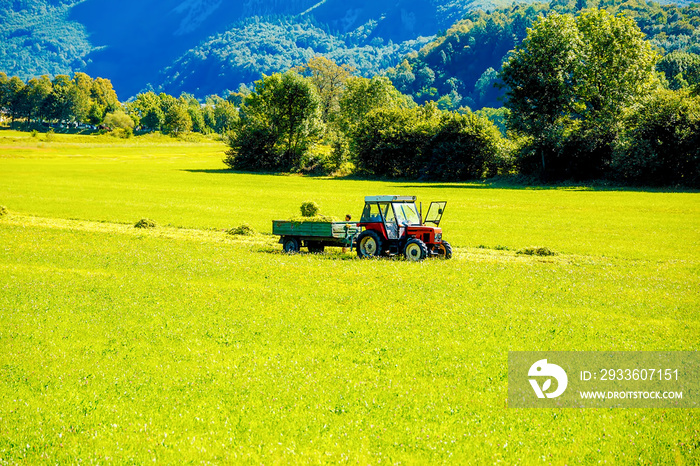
[[36, 37], [208, 46], [264, 46], [132, 40], [460, 68]]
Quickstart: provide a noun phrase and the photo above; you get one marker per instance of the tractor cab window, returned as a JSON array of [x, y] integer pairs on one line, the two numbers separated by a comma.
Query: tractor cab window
[[435, 211], [407, 214], [371, 213], [392, 228], [388, 212]]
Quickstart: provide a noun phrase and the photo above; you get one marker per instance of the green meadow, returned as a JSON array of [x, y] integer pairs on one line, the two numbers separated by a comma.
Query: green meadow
[[183, 344]]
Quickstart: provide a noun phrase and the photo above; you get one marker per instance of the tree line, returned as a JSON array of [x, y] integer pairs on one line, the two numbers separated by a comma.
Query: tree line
[[587, 97], [82, 100]]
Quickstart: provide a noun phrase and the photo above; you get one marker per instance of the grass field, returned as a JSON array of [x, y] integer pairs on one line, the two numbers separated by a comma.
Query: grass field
[[183, 344]]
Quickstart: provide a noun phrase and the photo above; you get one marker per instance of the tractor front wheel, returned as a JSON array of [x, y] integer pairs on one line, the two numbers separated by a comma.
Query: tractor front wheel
[[369, 244], [443, 250], [290, 245], [415, 250]]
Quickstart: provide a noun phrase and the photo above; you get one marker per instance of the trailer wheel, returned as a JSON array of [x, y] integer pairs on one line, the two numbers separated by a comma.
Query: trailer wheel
[[415, 250], [291, 245], [444, 250], [369, 244], [315, 247]]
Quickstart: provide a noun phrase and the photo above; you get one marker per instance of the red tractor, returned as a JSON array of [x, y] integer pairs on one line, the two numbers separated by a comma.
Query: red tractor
[[393, 225]]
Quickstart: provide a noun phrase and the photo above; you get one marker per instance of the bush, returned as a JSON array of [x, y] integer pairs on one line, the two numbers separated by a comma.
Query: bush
[[425, 143], [124, 133], [662, 146], [252, 148], [242, 230], [145, 223], [3, 211], [537, 251], [118, 120], [317, 161], [463, 147], [309, 209]]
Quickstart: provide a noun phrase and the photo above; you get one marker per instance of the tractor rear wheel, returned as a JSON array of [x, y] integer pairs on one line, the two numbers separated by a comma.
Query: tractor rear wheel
[[369, 244], [443, 250], [290, 245], [415, 250]]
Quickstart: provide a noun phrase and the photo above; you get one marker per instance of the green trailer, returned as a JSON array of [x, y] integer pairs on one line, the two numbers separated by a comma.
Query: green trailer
[[314, 235]]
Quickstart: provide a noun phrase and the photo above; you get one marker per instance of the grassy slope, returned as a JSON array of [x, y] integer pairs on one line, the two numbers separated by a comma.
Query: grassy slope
[[181, 344]]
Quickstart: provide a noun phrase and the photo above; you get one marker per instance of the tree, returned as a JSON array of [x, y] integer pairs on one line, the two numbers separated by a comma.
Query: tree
[[148, 107], [393, 141], [283, 114], [569, 84], [153, 118], [225, 116], [104, 100], [4, 91], [80, 96], [58, 105], [662, 143], [39, 91], [465, 146], [16, 97], [363, 95], [329, 79], [104, 95], [177, 120], [540, 77], [194, 109], [423, 142], [682, 69]]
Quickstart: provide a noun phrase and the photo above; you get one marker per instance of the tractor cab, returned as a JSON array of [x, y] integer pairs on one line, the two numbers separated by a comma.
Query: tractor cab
[[393, 224]]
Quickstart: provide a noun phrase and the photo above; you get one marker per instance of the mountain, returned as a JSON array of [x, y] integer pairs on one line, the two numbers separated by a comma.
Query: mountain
[[130, 41], [36, 37], [453, 49], [264, 46]]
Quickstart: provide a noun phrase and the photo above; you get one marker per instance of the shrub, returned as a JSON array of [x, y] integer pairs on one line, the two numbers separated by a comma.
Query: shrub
[[242, 230], [463, 147], [124, 133], [662, 146], [145, 223], [309, 209], [3, 211], [118, 120], [537, 251]]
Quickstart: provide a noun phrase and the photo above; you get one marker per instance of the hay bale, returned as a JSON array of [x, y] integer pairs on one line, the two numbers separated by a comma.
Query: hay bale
[[537, 251], [309, 209], [242, 230], [145, 223]]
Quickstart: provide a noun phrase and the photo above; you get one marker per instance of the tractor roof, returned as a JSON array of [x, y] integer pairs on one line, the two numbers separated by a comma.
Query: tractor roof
[[390, 198]]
